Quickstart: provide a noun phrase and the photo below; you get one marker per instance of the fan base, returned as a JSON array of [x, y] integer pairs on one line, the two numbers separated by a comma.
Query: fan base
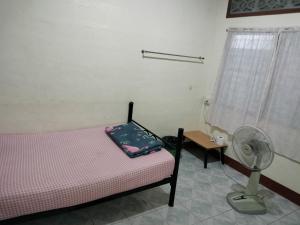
[[246, 204]]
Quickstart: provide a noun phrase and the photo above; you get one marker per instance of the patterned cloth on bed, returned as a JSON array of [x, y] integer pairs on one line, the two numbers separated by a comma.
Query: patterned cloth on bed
[[133, 140]]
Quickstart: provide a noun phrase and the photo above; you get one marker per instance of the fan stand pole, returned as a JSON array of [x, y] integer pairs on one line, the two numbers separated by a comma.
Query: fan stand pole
[[253, 182]]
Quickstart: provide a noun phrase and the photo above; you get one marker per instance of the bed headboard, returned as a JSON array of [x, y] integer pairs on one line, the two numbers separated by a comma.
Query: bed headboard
[[130, 111], [173, 181], [179, 135]]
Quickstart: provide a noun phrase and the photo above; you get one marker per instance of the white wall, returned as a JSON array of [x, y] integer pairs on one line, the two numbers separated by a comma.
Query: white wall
[[77, 63], [282, 170]]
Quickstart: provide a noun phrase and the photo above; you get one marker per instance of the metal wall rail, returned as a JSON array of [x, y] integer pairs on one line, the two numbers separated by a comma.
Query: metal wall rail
[[200, 58]]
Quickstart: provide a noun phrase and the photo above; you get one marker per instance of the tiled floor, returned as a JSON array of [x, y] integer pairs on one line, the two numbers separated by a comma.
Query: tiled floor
[[200, 200]]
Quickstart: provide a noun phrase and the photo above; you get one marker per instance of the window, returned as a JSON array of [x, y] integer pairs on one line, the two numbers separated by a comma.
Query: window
[[244, 76], [259, 85]]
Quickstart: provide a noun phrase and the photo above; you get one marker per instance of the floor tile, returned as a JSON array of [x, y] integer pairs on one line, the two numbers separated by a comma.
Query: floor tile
[[291, 219], [178, 215], [277, 207], [205, 208], [135, 205], [155, 197], [74, 218], [234, 175], [121, 222], [107, 212], [233, 218], [149, 218], [166, 188], [184, 193]]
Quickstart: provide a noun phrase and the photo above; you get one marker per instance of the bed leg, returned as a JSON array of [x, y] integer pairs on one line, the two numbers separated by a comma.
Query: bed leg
[[176, 167], [130, 111]]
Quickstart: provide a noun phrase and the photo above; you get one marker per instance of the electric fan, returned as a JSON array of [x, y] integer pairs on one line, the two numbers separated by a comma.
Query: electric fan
[[255, 151]]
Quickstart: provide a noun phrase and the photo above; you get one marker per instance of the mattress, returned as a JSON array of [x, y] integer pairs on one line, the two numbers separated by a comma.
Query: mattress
[[40, 172]]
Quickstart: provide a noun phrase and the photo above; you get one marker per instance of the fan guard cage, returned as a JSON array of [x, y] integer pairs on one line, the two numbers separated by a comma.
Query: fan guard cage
[[253, 147]]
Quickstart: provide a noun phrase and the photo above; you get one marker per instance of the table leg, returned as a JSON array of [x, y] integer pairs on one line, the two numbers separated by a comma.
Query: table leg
[[205, 158], [222, 155]]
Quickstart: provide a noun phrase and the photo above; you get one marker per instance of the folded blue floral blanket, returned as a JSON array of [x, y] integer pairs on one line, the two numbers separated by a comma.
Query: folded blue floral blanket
[[133, 140]]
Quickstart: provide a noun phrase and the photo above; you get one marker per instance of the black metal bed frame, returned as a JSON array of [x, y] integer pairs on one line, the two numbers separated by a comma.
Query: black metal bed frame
[[172, 180]]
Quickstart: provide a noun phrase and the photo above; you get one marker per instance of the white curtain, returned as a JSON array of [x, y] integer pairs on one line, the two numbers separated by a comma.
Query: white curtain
[[244, 76], [259, 85], [281, 116]]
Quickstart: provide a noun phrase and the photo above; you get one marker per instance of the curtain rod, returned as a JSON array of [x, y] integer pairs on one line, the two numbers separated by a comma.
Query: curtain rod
[[265, 30], [185, 56], [262, 30]]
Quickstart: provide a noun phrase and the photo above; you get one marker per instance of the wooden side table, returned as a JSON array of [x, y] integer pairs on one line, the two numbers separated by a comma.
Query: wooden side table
[[204, 141]]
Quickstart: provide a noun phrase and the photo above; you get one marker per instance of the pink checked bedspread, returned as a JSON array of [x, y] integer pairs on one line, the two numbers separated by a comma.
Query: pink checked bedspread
[[39, 172]]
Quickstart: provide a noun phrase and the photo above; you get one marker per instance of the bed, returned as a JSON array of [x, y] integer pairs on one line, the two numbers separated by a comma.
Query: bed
[[42, 172]]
